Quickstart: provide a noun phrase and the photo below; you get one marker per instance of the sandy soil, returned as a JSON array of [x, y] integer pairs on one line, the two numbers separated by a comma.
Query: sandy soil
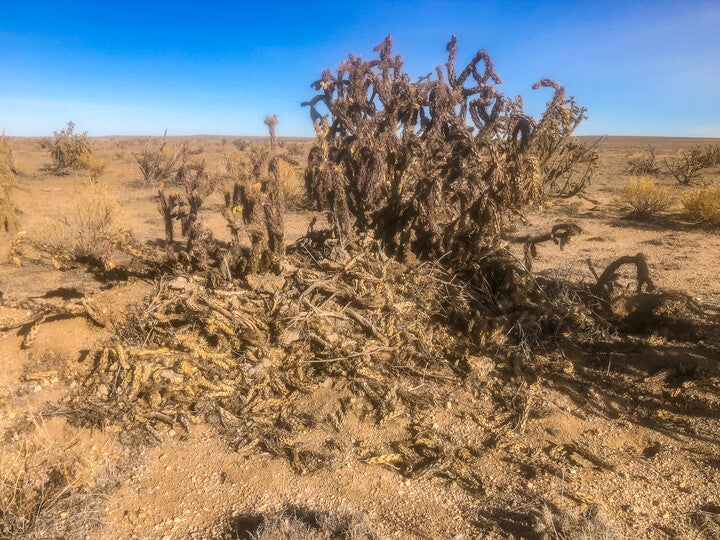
[[661, 472]]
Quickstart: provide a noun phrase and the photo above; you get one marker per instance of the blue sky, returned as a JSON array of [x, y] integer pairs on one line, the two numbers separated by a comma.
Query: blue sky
[[641, 68]]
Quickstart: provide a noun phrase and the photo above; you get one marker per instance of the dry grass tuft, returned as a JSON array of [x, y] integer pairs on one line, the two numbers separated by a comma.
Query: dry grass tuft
[[293, 186], [303, 524], [641, 198], [44, 488], [703, 206], [562, 525], [241, 144], [90, 232]]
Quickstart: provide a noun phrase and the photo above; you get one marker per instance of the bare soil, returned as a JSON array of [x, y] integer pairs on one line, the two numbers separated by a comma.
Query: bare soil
[[617, 440]]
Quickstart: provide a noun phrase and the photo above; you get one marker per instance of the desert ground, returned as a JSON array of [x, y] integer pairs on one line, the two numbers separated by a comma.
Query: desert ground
[[618, 440]]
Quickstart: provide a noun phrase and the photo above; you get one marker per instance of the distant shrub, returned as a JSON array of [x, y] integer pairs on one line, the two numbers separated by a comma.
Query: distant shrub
[[688, 164], [68, 148], [703, 206], [241, 144], [641, 164], [71, 150], [295, 149], [157, 164], [641, 198]]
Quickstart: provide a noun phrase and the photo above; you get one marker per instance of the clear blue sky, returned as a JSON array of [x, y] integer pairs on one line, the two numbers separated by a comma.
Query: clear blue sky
[[130, 67]]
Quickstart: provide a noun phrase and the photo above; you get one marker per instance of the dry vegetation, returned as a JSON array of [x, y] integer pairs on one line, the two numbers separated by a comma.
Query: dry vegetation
[[408, 338], [702, 206], [71, 151], [688, 164], [8, 186], [641, 198], [89, 233]]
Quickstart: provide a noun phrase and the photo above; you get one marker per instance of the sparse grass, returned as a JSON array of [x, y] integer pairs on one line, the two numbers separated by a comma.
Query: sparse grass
[[702, 206], [641, 198], [90, 231]]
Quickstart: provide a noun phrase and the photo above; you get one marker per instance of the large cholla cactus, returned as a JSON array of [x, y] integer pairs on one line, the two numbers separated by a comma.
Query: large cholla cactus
[[436, 165]]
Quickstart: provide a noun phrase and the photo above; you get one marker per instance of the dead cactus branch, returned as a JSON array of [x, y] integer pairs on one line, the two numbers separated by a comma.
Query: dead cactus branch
[[560, 235], [607, 281]]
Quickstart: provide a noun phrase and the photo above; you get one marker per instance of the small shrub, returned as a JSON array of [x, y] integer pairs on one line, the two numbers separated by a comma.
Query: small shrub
[[91, 231], [641, 164], [297, 524], [91, 164], [241, 144], [641, 198], [686, 167], [68, 148], [703, 206], [157, 165]]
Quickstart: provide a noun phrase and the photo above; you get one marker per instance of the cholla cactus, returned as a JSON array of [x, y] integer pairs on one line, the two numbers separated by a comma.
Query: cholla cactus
[[398, 157], [198, 185], [254, 204]]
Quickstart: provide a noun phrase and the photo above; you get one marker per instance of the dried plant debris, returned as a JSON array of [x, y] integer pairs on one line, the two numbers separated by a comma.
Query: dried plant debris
[[345, 354]]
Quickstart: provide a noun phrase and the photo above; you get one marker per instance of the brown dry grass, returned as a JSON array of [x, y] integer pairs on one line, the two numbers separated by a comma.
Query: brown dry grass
[[44, 486], [89, 231]]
